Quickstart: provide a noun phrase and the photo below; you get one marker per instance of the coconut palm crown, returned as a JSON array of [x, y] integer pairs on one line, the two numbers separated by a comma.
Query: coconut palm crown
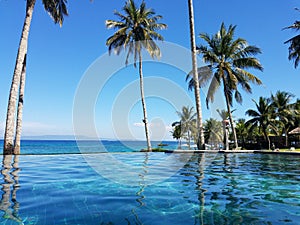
[[136, 29]]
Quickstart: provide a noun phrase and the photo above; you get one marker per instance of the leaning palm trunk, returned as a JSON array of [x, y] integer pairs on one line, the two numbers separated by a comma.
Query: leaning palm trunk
[[230, 114], [20, 110], [200, 141], [12, 102], [145, 120]]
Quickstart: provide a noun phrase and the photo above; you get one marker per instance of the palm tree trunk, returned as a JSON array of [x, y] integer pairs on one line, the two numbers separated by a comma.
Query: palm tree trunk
[[179, 143], [145, 120], [224, 135], [12, 102], [286, 138], [20, 110], [267, 137], [200, 141], [189, 140], [230, 115]]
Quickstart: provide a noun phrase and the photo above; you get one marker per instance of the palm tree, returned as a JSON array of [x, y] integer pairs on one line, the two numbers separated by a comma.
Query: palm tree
[[17, 143], [200, 139], [57, 10], [294, 48], [176, 133], [285, 112], [212, 132], [229, 59], [296, 106], [243, 133], [136, 29], [187, 121], [263, 117]]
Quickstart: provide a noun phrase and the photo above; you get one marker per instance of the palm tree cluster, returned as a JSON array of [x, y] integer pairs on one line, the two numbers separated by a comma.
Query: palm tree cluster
[[187, 126], [276, 115]]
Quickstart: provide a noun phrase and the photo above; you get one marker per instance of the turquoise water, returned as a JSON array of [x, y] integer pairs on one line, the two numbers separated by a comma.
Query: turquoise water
[[71, 146], [208, 189]]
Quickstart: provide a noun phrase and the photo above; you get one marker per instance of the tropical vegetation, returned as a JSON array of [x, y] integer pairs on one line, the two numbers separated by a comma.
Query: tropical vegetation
[[269, 122], [228, 59], [187, 125], [136, 29]]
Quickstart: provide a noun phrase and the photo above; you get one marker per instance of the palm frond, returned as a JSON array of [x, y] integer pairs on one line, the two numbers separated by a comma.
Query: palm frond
[[57, 9]]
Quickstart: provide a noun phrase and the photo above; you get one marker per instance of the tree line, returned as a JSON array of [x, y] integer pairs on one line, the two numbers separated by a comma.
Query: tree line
[[275, 116]]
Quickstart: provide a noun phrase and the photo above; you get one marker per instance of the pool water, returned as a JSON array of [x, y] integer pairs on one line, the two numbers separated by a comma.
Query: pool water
[[208, 189]]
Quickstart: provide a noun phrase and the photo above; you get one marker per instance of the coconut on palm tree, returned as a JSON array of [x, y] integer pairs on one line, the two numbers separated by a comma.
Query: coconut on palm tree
[[229, 60], [263, 117], [57, 10], [136, 29]]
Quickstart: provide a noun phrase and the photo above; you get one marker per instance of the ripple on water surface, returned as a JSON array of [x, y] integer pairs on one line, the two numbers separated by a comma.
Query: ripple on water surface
[[208, 189]]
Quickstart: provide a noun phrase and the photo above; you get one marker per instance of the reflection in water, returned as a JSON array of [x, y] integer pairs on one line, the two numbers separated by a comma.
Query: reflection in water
[[10, 185], [201, 191], [140, 193]]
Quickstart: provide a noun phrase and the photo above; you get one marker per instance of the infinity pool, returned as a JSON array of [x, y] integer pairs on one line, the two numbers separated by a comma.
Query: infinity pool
[[208, 189]]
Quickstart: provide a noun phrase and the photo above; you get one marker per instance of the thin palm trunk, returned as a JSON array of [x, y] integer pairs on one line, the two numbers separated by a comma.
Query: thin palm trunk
[[230, 114], [267, 137], [179, 143], [286, 137], [145, 120], [200, 141], [14, 90], [189, 139], [20, 110]]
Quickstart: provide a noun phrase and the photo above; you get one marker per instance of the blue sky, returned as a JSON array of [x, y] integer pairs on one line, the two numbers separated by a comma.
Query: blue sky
[[59, 58]]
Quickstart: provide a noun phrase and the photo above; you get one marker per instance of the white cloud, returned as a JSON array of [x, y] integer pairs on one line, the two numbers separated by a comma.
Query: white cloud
[[138, 124]]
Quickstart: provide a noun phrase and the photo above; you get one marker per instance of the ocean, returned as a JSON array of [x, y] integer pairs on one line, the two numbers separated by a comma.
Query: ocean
[[41, 147]]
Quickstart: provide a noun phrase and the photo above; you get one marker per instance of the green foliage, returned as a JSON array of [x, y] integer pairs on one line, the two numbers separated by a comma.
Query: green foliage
[[135, 29], [228, 59], [294, 42], [275, 115], [213, 133], [187, 126], [57, 9]]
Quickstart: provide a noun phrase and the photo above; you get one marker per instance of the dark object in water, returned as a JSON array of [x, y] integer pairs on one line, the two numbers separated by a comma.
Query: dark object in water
[[162, 144]]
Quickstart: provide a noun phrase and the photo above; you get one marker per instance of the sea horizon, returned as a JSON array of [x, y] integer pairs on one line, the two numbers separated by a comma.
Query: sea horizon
[[51, 146]]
